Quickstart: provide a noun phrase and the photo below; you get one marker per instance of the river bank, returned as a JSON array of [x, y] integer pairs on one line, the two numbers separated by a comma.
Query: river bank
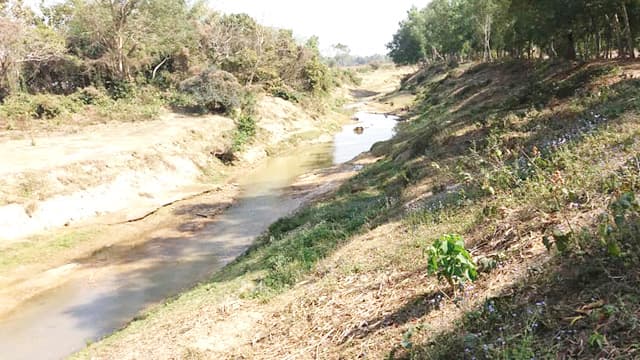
[[346, 276], [182, 229]]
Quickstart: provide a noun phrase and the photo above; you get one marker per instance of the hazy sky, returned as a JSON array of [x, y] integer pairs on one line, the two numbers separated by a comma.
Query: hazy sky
[[365, 26]]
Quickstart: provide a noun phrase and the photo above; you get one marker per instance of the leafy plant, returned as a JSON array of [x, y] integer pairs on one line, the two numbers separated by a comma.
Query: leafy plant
[[245, 131], [616, 223], [449, 259], [561, 239], [597, 340]]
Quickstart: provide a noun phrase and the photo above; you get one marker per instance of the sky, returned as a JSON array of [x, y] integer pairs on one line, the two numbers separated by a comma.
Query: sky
[[365, 26]]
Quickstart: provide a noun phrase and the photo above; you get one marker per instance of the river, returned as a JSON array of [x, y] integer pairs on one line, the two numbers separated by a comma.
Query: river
[[63, 320]]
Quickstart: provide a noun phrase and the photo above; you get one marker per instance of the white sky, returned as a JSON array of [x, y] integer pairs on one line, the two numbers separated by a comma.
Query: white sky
[[365, 26]]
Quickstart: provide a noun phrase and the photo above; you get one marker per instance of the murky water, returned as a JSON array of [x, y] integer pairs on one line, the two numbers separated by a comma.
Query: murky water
[[61, 321]]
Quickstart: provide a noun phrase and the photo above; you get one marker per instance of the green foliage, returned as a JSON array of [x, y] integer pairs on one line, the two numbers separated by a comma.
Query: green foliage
[[597, 340], [448, 258], [447, 30], [201, 59], [285, 92], [217, 91], [621, 225], [245, 131], [40, 106], [317, 76], [120, 89], [92, 96]]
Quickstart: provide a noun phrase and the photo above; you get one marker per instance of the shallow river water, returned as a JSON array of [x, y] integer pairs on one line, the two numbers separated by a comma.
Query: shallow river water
[[63, 320]]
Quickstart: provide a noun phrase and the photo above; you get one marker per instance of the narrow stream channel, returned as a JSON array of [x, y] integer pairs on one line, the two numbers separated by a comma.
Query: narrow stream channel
[[63, 320]]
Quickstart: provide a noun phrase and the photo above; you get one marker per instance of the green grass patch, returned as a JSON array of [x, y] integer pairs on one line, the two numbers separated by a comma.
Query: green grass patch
[[38, 249]]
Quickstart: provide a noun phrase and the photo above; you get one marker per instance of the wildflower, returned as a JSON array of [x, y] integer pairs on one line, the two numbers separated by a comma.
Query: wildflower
[[490, 308]]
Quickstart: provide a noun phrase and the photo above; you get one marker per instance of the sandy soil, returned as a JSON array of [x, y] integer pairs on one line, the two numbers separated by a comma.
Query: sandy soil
[[379, 91]]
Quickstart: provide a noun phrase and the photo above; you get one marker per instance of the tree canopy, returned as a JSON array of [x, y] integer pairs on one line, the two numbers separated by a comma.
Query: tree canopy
[[486, 29], [107, 43]]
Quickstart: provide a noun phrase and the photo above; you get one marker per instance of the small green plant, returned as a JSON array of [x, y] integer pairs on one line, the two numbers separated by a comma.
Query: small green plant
[[245, 131], [597, 340], [449, 259], [618, 222]]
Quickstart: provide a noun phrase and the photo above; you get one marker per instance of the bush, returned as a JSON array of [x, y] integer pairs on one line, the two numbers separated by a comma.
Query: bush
[[40, 106], [119, 90], [317, 77], [286, 93], [92, 96], [245, 131], [17, 106], [214, 90]]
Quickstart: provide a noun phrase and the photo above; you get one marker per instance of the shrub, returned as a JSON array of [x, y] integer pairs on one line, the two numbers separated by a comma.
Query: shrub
[[620, 227], [214, 90], [448, 258], [317, 77], [18, 106], [119, 90], [91, 96], [40, 106], [245, 131], [284, 92]]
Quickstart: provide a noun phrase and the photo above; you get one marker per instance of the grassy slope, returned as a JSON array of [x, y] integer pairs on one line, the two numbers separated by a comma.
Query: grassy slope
[[504, 154]]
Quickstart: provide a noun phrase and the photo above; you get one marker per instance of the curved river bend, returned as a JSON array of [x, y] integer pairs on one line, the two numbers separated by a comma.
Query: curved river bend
[[63, 320]]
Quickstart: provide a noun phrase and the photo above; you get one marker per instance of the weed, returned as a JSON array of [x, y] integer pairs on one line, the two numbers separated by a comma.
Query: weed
[[245, 131]]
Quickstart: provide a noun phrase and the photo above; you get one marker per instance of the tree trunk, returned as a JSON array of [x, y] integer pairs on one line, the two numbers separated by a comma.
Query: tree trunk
[[618, 33], [571, 46], [155, 69], [487, 38], [627, 31], [598, 44]]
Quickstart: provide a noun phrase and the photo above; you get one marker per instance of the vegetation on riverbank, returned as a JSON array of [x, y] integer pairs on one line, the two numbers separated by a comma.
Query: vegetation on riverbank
[[525, 176], [85, 62]]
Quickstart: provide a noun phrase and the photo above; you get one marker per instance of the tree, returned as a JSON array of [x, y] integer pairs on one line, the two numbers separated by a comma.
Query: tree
[[482, 29], [121, 36], [343, 54], [408, 44]]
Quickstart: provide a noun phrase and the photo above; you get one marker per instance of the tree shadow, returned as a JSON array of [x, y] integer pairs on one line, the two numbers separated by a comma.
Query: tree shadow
[[417, 307]]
